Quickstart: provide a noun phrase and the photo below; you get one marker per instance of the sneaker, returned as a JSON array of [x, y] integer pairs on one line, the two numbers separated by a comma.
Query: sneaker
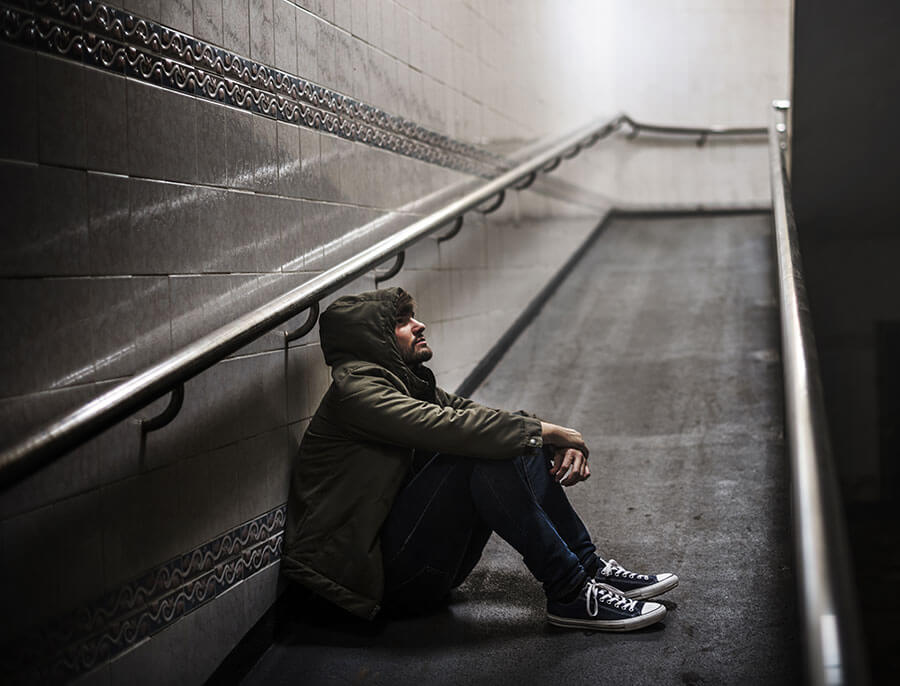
[[602, 608], [632, 584]]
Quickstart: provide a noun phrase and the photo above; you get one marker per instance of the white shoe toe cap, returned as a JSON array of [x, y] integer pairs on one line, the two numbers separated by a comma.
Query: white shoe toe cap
[[651, 608]]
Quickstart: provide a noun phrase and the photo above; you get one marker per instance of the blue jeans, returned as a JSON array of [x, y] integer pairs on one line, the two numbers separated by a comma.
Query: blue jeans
[[442, 519]]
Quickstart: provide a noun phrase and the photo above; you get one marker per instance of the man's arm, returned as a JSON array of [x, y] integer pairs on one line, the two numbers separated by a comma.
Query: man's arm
[[457, 402], [374, 409], [570, 453], [552, 434]]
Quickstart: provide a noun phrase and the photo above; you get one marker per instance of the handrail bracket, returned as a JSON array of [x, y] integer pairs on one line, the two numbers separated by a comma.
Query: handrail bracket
[[527, 182], [501, 196], [176, 400], [452, 232], [575, 150], [305, 327], [553, 165], [393, 271]]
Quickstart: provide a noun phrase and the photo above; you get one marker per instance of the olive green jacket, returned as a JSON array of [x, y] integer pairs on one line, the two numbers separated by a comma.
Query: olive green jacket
[[358, 450]]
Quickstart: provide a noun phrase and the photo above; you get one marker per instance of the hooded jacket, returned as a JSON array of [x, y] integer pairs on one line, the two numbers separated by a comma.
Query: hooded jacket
[[358, 448]]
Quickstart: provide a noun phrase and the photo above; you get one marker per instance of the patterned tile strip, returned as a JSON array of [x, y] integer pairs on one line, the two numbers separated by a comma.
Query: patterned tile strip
[[88, 637], [102, 36]]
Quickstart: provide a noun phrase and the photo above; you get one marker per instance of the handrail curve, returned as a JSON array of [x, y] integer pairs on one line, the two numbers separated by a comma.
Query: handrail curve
[[59, 437], [306, 326], [702, 133], [827, 607]]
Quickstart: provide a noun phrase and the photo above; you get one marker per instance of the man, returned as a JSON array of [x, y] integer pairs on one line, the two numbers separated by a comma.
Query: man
[[398, 485]]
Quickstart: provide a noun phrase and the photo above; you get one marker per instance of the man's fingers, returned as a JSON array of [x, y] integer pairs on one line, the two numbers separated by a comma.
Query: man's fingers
[[573, 462], [565, 464], [579, 445], [558, 456], [577, 469], [570, 466], [576, 440], [580, 470]]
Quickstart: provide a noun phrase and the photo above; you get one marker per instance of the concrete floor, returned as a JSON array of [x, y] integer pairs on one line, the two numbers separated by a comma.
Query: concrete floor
[[662, 348]]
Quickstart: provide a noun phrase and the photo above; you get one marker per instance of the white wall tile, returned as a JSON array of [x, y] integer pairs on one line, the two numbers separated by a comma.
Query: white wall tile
[[359, 20]]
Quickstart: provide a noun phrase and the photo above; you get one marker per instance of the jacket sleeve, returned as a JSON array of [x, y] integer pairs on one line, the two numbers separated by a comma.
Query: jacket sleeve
[[459, 403], [373, 408]]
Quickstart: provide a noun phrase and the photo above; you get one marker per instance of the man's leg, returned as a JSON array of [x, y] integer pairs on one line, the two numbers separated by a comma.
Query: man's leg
[[432, 535], [552, 498], [442, 519], [535, 470], [436, 530], [506, 500]]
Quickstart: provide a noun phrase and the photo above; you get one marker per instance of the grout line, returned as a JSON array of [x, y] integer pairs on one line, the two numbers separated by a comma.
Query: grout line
[[222, 187]]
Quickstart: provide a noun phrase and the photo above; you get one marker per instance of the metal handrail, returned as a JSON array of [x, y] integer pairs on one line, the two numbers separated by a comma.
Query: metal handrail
[[702, 133], [828, 611], [66, 433]]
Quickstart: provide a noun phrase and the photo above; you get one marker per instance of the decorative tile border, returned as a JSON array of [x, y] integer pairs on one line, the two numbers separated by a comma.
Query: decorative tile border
[[107, 38], [90, 636]]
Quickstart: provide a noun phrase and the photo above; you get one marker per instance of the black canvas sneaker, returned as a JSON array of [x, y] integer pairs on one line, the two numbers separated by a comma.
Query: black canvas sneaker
[[632, 584], [602, 608]]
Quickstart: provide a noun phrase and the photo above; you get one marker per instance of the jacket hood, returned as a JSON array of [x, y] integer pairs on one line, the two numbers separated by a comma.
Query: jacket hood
[[361, 328]]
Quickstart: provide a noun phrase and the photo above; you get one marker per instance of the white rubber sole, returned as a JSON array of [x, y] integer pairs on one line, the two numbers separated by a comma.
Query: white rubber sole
[[660, 587], [630, 624]]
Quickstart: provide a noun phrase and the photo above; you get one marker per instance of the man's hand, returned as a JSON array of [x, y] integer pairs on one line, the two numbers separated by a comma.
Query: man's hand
[[562, 437], [570, 453], [569, 466]]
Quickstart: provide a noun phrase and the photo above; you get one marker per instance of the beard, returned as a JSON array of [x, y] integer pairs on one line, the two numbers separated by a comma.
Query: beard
[[416, 355]]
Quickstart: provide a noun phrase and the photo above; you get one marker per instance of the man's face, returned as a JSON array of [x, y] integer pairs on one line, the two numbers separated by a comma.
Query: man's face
[[410, 335]]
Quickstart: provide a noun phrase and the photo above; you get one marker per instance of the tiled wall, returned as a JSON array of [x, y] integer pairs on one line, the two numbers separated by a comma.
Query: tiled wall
[[140, 212]]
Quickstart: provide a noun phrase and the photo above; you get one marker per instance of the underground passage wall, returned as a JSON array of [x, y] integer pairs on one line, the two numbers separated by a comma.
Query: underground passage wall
[[155, 186], [846, 159]]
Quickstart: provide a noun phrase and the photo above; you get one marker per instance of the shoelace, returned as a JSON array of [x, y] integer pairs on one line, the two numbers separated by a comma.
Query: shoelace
[[613, 568], [597, 594]]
